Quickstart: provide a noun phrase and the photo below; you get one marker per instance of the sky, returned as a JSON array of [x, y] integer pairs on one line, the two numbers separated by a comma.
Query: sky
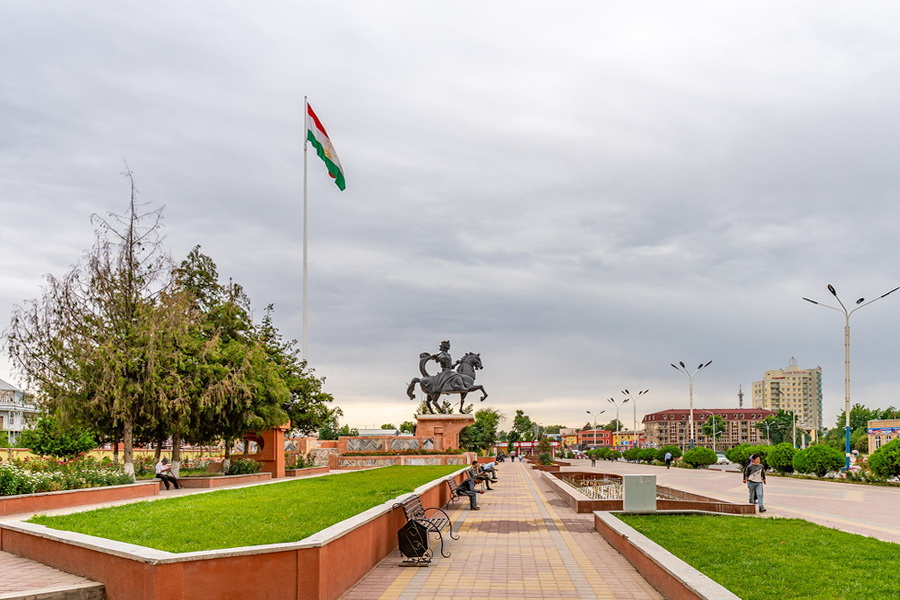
[[582, 196]]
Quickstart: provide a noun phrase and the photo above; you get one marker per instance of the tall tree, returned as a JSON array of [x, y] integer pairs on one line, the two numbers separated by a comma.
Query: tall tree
[[483, 432], [86, 344]]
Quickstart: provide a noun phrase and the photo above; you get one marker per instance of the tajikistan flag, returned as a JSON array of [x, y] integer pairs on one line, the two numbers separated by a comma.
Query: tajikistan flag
[[315, 135]]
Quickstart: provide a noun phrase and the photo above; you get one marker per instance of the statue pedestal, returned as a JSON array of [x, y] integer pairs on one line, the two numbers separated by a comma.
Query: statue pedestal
[[443, 428], [271, 450]]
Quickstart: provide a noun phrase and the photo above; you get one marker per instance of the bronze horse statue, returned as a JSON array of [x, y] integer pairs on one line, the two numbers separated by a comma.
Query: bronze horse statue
[[461, 381]]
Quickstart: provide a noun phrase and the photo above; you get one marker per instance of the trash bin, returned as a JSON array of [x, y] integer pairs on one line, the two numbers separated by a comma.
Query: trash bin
[[413, 541]]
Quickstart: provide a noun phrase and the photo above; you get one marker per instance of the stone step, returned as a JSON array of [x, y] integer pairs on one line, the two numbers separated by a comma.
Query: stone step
[[24, 579]]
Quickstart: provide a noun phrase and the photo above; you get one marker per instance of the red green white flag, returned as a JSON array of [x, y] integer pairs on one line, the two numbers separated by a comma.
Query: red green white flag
[[316, 135]]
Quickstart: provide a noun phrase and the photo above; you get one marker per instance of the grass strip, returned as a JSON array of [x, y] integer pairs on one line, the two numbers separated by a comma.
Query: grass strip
[[265, 514], [761, 559]]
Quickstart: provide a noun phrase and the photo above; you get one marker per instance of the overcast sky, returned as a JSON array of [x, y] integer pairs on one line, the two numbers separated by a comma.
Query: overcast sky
[[584, 192]]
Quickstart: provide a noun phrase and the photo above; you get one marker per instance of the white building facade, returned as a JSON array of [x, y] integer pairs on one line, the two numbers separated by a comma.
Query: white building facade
[[16, 413], [792, 389]]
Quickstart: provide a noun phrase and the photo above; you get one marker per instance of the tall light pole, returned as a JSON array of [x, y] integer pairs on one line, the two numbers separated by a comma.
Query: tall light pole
[[618, 422], [690, 375], [634, 406], [595, 415], [859, 304], [714, 421]]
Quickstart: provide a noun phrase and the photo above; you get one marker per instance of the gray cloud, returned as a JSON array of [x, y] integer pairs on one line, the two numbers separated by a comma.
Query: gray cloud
[[583, 196]]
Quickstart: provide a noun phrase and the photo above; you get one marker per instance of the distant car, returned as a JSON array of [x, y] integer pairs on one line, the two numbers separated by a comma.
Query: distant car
[[721, 460]]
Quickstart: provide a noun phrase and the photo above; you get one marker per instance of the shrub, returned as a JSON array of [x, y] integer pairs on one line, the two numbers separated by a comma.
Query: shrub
[[647, 455], [741, 454], [818, 459], [885, 462], [700, 457], [545, 458], [674, 450], [243, 466], [781, 458], [632, 454], [49, 437]]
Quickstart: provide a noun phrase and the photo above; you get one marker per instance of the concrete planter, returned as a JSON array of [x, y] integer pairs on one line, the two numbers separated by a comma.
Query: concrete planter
[[222, 480], [548, 468], [321, 567], [32, 503], [307, 472]]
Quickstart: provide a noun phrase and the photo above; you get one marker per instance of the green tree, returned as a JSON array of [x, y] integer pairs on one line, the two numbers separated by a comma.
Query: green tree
[[714, 426], [780, 427], [408, 427], [524, 426], [614, 425], [482, 433], [50, 437], [307, 407], [819, 459], [87, 343], [885, 462], [388, 426], [4, 439], [632, 454], [647, 455], [781, 457]]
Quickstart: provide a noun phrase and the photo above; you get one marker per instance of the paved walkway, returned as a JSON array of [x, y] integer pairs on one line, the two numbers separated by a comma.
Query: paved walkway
[[523, 543]]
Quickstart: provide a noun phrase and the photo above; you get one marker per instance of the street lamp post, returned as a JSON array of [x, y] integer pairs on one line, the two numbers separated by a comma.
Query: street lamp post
[[859, 304], [713, 415], [595, 415], [690, 375], [634, 406], [618, 422]]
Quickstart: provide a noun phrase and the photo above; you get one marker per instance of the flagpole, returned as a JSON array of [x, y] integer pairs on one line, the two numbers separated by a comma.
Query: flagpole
[[304, 346]]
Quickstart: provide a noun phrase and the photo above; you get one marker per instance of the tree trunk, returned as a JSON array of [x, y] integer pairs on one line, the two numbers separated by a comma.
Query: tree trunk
[[128, 446], [115, 449], [157, 454], [227, 460], [176, 454]]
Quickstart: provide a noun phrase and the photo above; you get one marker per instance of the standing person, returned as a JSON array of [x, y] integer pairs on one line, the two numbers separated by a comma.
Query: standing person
[[755, 478], [593, 456], [512, 456], [668, 460], [164, 472]]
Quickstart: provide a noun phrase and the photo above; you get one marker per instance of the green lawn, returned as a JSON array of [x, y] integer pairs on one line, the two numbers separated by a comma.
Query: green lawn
[[762, 559], [266, 514]]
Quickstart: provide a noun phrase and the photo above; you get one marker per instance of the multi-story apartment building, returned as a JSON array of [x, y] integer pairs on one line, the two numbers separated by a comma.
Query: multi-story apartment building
[[595, 438], [16, 412], [672, 427], [793, 389], [624, 440]]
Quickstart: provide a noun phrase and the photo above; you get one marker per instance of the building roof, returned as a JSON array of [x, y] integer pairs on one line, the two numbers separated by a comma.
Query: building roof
[[8, 387], [729, 414]]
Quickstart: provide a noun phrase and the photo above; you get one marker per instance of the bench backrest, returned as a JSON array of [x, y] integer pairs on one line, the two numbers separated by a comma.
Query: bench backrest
[[412, 508]]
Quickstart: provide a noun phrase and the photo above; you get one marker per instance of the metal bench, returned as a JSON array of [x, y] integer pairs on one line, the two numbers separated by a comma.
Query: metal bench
[[454, 490], [434, 520]]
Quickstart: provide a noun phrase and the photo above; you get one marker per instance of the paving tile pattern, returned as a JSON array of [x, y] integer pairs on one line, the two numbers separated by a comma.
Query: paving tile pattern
[[523, 543], [21, 578]]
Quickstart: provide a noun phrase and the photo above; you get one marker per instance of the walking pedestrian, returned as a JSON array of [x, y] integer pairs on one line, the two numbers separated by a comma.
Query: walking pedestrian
[[668, 460], [755, 478]]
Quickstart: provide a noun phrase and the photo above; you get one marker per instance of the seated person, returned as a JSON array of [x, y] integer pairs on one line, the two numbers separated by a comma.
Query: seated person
[[490, 468], [467, 488], [480, 475], [164, 472]]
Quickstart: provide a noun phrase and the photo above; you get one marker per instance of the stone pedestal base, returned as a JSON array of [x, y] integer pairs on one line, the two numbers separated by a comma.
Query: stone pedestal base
[[443, 428]]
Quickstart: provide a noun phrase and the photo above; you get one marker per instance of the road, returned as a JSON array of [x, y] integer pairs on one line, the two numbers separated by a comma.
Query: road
[[865, 509]]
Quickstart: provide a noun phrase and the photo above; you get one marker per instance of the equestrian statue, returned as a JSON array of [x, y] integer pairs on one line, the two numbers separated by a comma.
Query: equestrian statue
[[461, 381]]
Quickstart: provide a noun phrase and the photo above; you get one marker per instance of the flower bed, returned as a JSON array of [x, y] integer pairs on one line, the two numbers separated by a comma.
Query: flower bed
[[38, 475]]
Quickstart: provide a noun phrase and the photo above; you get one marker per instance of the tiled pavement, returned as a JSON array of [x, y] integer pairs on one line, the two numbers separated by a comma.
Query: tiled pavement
[[24, 578], [523, 543]]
